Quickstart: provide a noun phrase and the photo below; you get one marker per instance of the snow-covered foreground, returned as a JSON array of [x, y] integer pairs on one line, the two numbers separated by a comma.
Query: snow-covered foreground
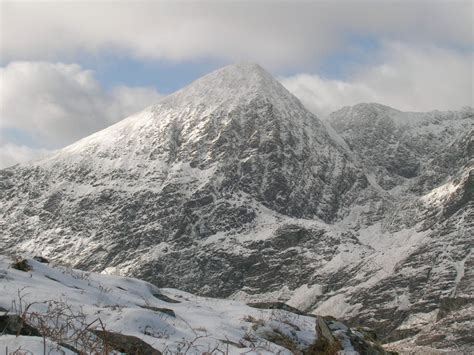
[[71, 307]]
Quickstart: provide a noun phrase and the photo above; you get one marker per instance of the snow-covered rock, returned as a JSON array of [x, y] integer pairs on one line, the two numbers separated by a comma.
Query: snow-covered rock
[[416, 150]]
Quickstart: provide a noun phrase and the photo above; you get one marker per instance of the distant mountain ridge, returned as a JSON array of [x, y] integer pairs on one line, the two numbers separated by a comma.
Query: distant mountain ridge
[[403, 145], [230, 187]]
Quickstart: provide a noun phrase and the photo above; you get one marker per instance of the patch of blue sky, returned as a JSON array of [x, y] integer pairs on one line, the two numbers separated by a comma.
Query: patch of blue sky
[[166, 76], [112, 69], [18, 137], [359, 50]]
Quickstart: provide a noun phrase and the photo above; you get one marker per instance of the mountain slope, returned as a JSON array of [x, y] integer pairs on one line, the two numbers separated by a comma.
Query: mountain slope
[[231, 188], [213, 159], [429, 285], [421, 149]]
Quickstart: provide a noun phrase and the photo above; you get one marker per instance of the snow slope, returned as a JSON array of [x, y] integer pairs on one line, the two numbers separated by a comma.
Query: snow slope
[[169, 320]]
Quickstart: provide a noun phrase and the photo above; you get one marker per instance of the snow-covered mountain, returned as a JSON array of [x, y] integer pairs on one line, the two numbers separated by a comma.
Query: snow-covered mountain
[[231, 188], [424, 163], [418, 151]]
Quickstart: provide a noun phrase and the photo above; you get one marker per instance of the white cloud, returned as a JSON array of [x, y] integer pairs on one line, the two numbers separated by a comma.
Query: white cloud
[[271, 33], [408, 77], [59, 103], [11, 154]]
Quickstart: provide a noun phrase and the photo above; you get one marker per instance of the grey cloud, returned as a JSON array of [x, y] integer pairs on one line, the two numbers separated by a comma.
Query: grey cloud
[[11, 154], [406, 77], [273, 33], [59, 103]]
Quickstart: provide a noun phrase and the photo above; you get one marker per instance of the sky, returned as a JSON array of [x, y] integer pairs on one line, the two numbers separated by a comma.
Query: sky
[[70, 68]]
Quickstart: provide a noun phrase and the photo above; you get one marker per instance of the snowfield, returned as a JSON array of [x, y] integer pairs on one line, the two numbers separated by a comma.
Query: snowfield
[[67, 302]]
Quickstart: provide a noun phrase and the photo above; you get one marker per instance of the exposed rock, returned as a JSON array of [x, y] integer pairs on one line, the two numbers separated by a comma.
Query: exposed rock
[[165, 298], [274, 305], [325, 341], [41, 259], [14, 325], [167, 311], [128, 344], [22, 265]]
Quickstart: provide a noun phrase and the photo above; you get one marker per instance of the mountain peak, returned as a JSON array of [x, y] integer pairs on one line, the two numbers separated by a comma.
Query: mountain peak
[[243, 72], [232, 85], [236, 95], [243, 68]]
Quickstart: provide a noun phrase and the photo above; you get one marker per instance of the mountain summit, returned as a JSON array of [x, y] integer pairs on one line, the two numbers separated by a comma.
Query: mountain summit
[[230, 187], [206, 112], [233, 85]]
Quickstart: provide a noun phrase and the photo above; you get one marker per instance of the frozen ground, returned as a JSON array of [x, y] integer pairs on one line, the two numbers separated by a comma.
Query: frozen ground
[[65, 303]]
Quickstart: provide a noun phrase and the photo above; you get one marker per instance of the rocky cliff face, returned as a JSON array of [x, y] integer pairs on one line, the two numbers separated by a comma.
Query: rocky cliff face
[[424, 161], [230, 187], [418, 150]]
